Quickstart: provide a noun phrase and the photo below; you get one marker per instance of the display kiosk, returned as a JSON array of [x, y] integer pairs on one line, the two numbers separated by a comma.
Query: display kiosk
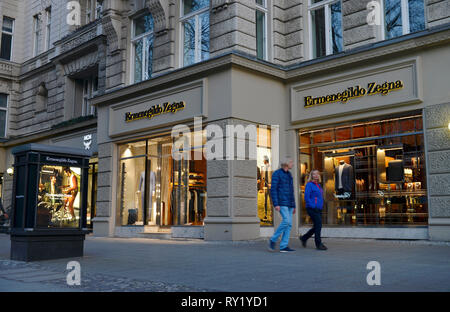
[[49, 202]]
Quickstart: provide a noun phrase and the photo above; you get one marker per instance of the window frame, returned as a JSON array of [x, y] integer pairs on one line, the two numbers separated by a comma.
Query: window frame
[[48, 25], [183, 18], [133, 41], [326, 4], [264, 9], [36, 33], [6, 113], [88, 11], [9, 33], [406, 27]]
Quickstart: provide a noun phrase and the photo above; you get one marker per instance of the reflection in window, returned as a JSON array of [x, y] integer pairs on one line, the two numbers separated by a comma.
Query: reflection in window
[[195, 26], [403, 17], [143, 47], [264, 175], [59, 197]]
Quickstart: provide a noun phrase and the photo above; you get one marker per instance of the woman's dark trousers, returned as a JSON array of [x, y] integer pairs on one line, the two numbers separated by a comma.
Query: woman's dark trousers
[[316, 217]]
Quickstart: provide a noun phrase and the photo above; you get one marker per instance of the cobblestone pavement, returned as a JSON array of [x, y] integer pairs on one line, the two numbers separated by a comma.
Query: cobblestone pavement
[[30, 273], [183, 265]]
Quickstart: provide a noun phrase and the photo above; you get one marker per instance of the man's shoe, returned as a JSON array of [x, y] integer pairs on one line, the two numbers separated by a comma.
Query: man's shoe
[[287, 249], [302, 240], [271, 246], [322, 247]]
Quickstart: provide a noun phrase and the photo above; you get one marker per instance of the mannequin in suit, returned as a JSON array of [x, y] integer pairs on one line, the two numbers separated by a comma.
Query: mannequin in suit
[[344, 181], [151, 189]]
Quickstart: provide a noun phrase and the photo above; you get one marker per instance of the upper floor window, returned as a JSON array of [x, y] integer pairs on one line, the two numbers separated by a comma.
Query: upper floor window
[[3, 114], [94, 10], [7, 38], [142, 42], [261, 29], [48, 13], [90, 87], [325, 24], [195, 30], [402, 17], [36, 34]]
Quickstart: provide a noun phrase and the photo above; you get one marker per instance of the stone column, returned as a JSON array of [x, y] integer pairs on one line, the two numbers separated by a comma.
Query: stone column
[[437, 138], [104, 219], [232, 196]]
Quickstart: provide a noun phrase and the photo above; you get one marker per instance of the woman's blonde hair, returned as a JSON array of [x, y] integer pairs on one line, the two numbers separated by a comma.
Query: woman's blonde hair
[[310, 176]]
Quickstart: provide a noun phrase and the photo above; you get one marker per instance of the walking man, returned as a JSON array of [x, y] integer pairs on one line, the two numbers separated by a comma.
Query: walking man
[[282, 193]]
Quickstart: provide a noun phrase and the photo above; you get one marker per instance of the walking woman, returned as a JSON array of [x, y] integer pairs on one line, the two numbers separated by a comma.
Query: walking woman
[[314, 205]]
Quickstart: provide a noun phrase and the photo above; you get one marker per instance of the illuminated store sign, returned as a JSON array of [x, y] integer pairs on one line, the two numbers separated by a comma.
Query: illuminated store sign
[[354, 92], [156, 110]]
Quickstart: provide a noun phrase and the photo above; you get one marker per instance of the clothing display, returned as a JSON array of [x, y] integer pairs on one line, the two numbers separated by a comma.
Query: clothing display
[[344, 179], [151, 189]]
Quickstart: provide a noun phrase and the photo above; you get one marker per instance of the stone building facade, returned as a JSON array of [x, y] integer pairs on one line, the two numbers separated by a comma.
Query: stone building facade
[[65, 80]]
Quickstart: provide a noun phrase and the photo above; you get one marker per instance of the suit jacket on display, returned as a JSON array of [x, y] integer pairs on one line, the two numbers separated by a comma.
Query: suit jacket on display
[[347, 178]]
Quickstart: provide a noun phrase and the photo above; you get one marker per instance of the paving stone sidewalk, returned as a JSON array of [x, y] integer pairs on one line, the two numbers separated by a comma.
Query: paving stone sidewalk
[[156, 265]]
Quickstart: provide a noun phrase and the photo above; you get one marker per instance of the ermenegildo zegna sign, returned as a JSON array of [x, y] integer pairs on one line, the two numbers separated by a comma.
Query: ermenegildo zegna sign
[[379, 87], [354, 92], [155, 110], [158, 109]]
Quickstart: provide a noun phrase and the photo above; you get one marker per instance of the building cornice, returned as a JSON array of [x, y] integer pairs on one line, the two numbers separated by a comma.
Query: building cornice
[[51, 133]]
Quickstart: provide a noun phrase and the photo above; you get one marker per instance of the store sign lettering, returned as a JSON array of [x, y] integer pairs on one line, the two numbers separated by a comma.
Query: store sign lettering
[[156, 110], [354, 92]]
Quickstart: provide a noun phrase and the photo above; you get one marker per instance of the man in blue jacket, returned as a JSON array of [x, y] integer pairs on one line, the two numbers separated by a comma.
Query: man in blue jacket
[[282, 193]]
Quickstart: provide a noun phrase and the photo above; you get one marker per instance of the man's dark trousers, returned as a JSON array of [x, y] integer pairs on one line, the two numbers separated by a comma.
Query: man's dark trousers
[[316, 217]]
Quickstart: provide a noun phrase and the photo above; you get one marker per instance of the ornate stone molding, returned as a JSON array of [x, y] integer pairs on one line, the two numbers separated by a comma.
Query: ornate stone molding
[[219, 5], [76, 41], [111, 28], [159, 16], [81, 63]]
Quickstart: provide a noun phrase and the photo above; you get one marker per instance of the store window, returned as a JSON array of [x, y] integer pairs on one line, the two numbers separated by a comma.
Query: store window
[[59, 197], [3, 114], [373, 172], [325, 23], [261, 29], [156, 189], [92, 192], [7, 38], [264, 175], [195, 28], [402, 17], [142, 42]]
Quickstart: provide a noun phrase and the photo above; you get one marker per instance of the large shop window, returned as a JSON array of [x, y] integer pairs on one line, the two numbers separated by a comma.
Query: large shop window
[[142, 42], [7, 38], [195, 29], [373, 172], [264, 175], [156, 189], [402, 17], [325, 24], [59, 197]]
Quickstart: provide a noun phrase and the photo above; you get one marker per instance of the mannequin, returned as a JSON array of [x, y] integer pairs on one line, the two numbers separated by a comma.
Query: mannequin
[[266, 175], [343, 178], [151, 189]]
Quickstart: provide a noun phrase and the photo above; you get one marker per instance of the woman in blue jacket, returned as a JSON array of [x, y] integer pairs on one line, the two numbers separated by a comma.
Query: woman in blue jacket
[[314, 205]]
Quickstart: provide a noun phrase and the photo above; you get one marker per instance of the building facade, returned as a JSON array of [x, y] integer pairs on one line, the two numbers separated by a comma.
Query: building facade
[[356, 89]]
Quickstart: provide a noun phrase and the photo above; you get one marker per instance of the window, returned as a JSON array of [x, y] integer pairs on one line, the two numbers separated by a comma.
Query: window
[[373, 172], [89, 11], [264, 175], [195, 30], [48, 13], [36, 34], [7, 38], [94, 10], [3, 114], [261, 29], [402, 17], [142, 42], [90, 86], [98, 9], [325, 23]]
